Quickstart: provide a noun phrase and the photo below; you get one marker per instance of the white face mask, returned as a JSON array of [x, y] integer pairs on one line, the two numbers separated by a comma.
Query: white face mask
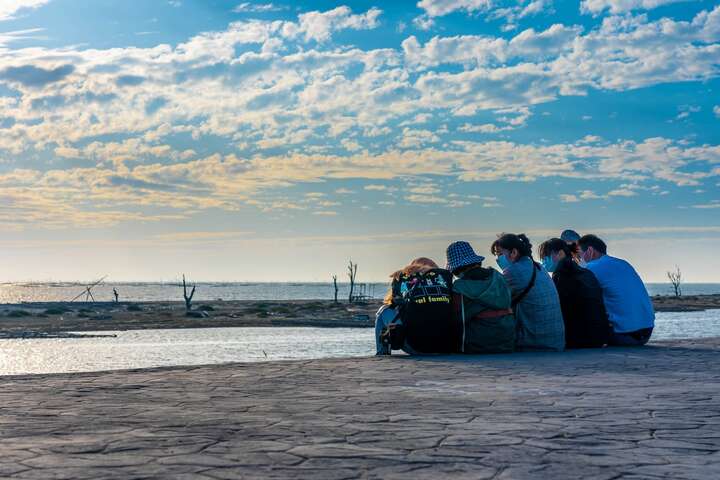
[[583, 262]]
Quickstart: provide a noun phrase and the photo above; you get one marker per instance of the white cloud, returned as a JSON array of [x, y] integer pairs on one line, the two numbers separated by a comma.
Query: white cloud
[[424, 189], [590, 139], [686, 110], [10, 8], [228, 182], [716, 110], [439, 8], [319, 26], [711, 205], [622, 6], [423, 22], [509, 12], [248, 7], [9, 37], [569, 198], [622, 192]]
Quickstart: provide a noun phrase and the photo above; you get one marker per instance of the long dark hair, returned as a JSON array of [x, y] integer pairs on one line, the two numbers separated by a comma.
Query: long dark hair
[[556, 245], [510, 241]]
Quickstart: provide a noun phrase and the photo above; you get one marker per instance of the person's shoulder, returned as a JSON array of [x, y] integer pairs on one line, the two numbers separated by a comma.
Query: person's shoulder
[[618, 262], [519, 267], [603, 262]]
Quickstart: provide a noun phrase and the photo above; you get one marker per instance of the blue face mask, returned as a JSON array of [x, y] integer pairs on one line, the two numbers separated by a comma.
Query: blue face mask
[[549, 264], [503, 262]]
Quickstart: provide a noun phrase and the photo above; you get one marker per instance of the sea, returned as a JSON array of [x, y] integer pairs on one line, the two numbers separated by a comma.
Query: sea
[[206, 291], [133, 349]]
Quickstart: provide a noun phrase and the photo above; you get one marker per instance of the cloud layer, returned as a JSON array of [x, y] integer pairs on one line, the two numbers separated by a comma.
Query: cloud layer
[[119, 134]]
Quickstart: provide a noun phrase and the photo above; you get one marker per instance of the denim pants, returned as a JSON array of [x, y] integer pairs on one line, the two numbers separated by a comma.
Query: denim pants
[[383, 318]]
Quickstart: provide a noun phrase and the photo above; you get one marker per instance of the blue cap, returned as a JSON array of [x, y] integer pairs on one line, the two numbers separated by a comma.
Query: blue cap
[[570, 236]]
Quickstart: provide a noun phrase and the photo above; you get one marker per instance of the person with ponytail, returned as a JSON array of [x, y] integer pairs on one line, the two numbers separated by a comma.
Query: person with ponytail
[[535, 300], [581, 297]]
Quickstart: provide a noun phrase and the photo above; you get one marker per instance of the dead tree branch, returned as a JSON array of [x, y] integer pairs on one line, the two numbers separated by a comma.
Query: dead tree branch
[[675, 278], [352, 274], [336, 287], [188, 299]]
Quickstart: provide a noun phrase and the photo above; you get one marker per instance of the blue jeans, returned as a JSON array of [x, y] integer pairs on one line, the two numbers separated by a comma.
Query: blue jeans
[[383, 318]]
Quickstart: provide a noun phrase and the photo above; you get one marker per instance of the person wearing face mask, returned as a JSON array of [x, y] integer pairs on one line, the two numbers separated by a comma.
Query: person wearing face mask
[[581, 298], [535, 300], [481, 300], [626, 299]]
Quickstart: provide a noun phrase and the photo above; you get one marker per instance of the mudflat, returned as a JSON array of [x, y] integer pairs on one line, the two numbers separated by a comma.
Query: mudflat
[[30, 319], [644, 413]]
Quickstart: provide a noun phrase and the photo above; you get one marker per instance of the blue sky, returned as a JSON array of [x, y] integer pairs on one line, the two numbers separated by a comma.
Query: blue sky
[[236, 140]]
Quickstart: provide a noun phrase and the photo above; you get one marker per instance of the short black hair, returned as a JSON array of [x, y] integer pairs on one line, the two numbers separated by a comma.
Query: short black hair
[[592, 241]]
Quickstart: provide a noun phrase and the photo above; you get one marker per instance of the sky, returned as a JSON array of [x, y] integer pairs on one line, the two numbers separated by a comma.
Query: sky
[[257, 141]]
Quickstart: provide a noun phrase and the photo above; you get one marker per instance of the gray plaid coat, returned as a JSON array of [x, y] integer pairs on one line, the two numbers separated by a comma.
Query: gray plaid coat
[[539, 317]]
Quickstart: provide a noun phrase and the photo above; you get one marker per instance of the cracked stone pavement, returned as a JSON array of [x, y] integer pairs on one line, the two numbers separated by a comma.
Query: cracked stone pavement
[[646, 413]]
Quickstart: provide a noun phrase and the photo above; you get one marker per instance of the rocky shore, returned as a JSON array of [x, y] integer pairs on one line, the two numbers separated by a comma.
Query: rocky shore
[[645, 413]]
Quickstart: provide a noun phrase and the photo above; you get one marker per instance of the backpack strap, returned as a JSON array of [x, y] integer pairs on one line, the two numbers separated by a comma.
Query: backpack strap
[[531, 284], [462, 312]]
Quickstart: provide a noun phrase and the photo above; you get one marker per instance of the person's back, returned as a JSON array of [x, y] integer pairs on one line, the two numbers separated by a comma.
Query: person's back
[[583, 309], [419, 319], [626, 298], [417, 314], [539, 318], [482, 300]]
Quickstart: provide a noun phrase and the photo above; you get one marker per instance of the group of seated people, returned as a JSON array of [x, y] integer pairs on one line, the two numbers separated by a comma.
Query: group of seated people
[[577, 296]]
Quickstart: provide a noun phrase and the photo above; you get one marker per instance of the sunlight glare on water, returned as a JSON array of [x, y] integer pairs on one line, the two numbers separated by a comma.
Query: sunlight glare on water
[[197, 346], [158, 348]]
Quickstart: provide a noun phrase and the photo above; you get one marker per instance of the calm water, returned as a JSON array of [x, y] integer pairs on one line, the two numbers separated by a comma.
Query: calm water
[[145, 292], [59, 292], [155, 348]]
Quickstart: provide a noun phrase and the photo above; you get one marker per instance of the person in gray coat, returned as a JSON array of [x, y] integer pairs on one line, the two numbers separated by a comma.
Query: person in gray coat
[[535, 300]]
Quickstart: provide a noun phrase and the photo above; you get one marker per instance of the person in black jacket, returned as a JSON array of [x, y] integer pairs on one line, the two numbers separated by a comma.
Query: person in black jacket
[[581, 299]]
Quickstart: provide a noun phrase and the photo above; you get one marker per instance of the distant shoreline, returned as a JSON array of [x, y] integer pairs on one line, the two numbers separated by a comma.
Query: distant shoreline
[[29, 320], [21, 319]]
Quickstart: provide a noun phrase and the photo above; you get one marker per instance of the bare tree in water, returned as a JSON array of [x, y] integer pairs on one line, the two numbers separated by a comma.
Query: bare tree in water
[[188, 298], [336, 287], [352, 274], [676, 279]]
